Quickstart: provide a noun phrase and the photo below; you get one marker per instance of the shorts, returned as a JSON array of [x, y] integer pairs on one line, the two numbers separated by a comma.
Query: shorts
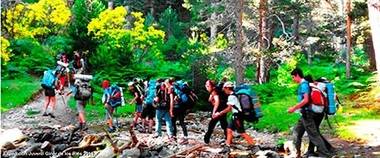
[[236, 123], [49, 92], [81, 105], [138, 108], [148, 111]]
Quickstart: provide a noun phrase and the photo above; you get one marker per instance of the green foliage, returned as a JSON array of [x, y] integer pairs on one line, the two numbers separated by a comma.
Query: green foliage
[[59, 43], [30, 56], [83, 11], [276, 117], [17, 92]]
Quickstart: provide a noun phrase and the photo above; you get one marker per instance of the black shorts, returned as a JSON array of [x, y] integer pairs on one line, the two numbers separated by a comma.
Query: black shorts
[[49, 92], [236, 123], [148, 111]]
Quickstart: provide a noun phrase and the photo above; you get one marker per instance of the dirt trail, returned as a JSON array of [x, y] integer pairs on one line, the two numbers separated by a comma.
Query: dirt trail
[[30, 115]]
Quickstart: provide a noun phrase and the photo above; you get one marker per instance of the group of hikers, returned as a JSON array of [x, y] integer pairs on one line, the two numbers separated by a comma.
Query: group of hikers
[[167, 101]]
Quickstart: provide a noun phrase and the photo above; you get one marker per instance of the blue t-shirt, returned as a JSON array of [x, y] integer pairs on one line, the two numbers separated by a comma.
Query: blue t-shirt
[[302, 89]]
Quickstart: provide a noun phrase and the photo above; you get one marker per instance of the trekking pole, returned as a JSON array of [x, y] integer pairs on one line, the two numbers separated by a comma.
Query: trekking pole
[[63, 100]]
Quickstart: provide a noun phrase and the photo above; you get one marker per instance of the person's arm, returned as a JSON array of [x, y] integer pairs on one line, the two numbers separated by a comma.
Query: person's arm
[[224, 111], [135, 98], [216, 105], [171, 104], [303, 102]]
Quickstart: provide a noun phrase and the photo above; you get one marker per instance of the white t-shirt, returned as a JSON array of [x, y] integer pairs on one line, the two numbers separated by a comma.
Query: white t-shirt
[[233, 100]]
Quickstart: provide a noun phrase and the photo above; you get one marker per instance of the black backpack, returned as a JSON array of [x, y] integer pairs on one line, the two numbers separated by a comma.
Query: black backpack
[[251, 110]]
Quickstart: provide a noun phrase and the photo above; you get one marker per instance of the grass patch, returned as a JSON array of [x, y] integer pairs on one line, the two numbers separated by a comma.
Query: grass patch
[[17, 92], [276, 117], [97, 111]]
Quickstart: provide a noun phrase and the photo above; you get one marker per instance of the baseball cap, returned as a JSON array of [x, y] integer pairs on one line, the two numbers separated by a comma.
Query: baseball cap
[[228, 84]]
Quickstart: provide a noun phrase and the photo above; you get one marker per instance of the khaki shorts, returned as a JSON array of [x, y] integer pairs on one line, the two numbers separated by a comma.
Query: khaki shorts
[[80, 105]]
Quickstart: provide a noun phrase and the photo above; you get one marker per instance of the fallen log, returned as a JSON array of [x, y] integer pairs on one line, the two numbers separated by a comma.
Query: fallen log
[[187, 151], [195, 131], [78, 149]]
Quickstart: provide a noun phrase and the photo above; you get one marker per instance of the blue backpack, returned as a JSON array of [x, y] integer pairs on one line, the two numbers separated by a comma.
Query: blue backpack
[[183, 92], [251, 110], [150, 92], [115, 95], [48, 79]]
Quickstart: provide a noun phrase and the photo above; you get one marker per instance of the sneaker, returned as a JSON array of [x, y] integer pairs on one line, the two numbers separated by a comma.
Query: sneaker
[[45, 114]]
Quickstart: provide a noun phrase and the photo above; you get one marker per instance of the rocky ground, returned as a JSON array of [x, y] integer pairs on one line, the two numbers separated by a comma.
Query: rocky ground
[[26, 133]]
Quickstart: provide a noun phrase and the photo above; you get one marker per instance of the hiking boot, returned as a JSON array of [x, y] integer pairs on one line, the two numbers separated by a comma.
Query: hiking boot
[[226, 149], [254, 148], [206, 140], [310, 153], [82, 126], [111, 129], [172, 139], [51, 115], [156, 135], [45, 114]]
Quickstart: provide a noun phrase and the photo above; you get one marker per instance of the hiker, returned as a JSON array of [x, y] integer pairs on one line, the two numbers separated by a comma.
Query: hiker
[[148, 112], [309, 121], [112, 98], [162, 103], [138, 100], [78, 63], [82, 91], [233, 111], [63, 70], [183, 99], [218, 101], [49, 82]]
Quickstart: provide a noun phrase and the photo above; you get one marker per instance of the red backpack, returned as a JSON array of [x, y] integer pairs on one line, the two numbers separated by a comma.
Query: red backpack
[[317, 94]]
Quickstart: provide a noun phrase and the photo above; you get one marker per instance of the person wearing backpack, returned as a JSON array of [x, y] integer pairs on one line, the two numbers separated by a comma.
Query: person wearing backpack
[[181, 102], [148, 109], [162, 103], [138, 99], [48, 83], [309, 120], [63, 71], [82, 91], [112, 98], [234, 118], [218, 100], [78, 63]]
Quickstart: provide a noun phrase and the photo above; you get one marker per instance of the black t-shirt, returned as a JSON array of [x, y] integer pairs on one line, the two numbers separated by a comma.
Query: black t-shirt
[[138, 100]]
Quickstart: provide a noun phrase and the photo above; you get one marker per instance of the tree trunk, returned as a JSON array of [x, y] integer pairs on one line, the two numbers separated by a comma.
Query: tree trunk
[[110, 4], [150, 7], [213, 28], [374, 16], [349, 39], [261, 69], [239, 45], [371, 53], [295, 27]]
